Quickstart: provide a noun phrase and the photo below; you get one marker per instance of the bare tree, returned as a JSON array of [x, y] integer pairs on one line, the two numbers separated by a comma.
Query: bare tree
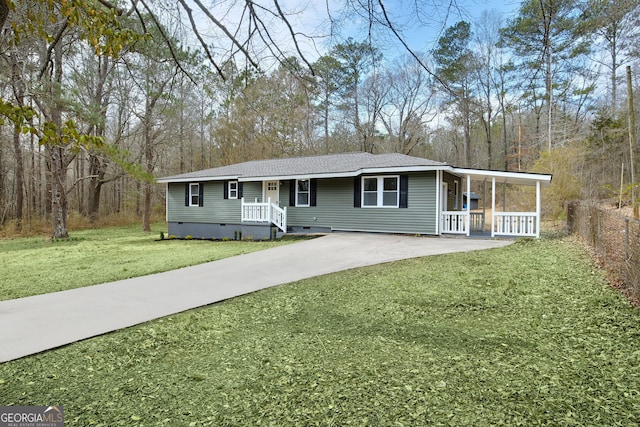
[[614, 25], [487, 38], [410, 105]]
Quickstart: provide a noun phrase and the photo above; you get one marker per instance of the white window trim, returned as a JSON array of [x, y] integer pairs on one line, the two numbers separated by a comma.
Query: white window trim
[[196, 194], [308, 192], [231, 191], [380, 191]]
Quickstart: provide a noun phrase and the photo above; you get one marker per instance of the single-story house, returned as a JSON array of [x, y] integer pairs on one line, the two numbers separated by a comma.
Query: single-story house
[[388, 193]]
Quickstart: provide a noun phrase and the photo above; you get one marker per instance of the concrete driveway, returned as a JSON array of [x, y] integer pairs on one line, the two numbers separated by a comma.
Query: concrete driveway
[[34, 324]]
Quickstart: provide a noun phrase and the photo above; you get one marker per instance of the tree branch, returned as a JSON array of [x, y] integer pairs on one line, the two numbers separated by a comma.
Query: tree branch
[[231, 37], [293, 35], [51, 47], [202, 42], [111, 6], [168, 41], [72, 186], [406, 46]]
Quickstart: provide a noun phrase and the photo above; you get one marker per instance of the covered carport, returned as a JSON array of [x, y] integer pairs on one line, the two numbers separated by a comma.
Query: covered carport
[[503, 223]]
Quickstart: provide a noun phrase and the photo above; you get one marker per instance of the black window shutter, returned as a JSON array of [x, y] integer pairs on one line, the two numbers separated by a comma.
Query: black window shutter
[[356, 192], [201, 194], [313, 189], [404, 190], [225, 189], [292, 192], [186, 194], [240, 190]]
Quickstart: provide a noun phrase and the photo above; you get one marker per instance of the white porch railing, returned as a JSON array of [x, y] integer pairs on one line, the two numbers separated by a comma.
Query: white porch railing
[[515, 224], [279, 216], [454, 222], [264, 212], [477, 221]]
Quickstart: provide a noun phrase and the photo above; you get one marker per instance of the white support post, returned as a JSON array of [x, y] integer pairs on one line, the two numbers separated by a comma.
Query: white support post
[[269, 210], [284, 220], [493, 206], [468, 205], [538, 203], [438, 202]]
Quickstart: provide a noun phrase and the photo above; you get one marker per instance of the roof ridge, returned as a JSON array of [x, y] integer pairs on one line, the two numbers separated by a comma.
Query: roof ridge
[[318, 164]]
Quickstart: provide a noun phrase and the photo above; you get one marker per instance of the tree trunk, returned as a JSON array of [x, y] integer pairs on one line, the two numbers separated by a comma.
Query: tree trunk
[[58, 194], [97, 165], [632, 143], [548, 78], [18, 90], [489, 130], [57, 157], [146, 214], [466, 111], [148, 155], [4, 12], [97, 172], [19, 177], [2, 179], [614, 80]]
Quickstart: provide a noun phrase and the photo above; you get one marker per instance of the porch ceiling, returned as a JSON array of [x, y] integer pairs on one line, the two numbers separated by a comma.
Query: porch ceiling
[[518, 178]]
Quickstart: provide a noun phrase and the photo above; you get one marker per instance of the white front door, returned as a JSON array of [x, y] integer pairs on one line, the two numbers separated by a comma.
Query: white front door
[[271, 189]]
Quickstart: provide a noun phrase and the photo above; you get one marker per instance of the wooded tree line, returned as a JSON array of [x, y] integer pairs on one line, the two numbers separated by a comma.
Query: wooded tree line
[[97, 98]]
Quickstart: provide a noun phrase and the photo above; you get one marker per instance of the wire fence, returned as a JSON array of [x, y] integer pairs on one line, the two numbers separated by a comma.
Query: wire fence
[[614, 237]]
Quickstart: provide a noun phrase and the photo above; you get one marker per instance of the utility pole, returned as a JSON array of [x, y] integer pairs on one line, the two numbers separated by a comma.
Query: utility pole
[[632, 143]]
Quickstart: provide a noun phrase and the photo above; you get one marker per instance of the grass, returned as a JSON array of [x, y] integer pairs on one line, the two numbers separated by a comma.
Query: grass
[[38, 265], [529, 334]]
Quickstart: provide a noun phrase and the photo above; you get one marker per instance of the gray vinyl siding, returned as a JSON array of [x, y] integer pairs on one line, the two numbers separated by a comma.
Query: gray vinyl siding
[[251, 191], [335, 208], [215, 208]]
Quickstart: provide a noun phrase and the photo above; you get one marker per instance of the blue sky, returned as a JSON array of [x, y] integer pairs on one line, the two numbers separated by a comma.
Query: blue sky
[[311, 18], [422, 31]]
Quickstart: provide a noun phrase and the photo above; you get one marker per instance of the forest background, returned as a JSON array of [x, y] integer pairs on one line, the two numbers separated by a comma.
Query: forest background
[[98, 97]]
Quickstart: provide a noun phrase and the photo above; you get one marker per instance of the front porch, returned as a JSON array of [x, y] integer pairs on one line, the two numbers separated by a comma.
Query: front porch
[[264, 213], [498, 222], [522, 224]]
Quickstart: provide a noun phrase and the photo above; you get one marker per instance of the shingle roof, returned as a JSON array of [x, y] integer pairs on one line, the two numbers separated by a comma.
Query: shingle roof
[[331, 164]]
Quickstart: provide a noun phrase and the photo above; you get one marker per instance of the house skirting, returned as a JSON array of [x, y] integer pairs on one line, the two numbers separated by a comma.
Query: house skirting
[[244, 231], [307, 230]]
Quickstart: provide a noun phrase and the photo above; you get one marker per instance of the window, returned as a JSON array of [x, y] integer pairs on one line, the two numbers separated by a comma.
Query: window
[[194, 194], [233, 189], [380, 191], [302, 192], [456, 189]]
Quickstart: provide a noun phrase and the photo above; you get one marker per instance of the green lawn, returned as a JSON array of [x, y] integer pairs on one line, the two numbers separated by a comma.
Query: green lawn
[[37, 265], [529, 334]]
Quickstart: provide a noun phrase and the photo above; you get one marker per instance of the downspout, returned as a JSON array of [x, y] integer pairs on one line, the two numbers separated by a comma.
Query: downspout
[[468, 220], [438, 201], [166, 203], [493, 206], [538, 203], [484, 204]]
